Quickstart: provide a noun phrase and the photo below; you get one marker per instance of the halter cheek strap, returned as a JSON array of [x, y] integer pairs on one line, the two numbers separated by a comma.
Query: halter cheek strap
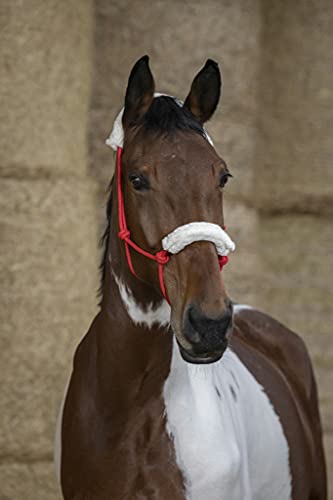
[[174, 242], [162, 257]]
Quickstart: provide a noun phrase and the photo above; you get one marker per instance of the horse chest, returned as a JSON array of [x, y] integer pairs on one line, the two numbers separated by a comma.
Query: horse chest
[[228, 440]]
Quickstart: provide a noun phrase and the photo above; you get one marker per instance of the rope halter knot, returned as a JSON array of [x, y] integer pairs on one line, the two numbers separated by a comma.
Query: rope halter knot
[[124, 234], [162, 257], [223, 260]]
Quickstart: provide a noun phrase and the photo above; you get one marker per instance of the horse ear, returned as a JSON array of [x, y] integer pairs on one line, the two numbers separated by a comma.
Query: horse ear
[[205, 92], [139, 93]]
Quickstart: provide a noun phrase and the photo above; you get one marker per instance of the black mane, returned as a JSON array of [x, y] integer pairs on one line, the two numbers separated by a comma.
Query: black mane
[[163, 116], [166, 116], [105, 239]]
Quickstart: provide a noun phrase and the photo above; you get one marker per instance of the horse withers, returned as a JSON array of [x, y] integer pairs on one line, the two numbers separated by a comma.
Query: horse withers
[[176, 392]]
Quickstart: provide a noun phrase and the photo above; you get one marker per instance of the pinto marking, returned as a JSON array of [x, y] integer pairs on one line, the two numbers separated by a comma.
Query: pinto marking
[[224, 439], [159, 314], [149, 316], [237, 308]]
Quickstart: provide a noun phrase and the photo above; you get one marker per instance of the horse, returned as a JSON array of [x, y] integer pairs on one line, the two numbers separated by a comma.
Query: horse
[[176, 391]]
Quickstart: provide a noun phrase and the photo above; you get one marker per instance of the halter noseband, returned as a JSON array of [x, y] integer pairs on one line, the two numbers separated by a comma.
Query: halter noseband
[[172, 243]]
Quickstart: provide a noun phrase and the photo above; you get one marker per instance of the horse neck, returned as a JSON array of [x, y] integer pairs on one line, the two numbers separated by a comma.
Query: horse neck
[[131, 350]]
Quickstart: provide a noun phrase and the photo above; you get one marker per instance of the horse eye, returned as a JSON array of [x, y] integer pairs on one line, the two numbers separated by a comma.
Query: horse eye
[[139, 182], [224, 179]]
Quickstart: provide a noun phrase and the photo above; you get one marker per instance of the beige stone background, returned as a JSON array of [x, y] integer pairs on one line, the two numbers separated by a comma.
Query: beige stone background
[[64, 67]]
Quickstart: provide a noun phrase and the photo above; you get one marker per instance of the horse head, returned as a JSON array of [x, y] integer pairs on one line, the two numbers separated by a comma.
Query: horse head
[[171, 177]]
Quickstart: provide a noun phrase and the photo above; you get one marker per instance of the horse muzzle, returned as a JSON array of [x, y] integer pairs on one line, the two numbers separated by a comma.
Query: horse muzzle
[[206, 337]]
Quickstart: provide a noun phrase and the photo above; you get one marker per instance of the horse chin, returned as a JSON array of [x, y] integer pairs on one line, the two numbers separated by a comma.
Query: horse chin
[[200, 359]]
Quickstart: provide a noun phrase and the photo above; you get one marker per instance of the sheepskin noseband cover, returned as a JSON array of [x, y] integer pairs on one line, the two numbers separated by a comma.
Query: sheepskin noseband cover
[[183, 236]]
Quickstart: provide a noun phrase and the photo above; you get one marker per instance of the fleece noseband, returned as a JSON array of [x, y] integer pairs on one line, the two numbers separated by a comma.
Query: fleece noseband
[[184, 235]]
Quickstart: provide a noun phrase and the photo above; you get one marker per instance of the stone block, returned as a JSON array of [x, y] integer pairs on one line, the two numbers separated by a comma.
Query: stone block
[[293, 168], [190, 33], [45, 54], [31, 481], [48, 275]]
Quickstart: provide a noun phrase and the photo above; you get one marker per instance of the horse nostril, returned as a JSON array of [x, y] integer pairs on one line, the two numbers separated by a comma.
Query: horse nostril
[[205, 332], [191, 332]]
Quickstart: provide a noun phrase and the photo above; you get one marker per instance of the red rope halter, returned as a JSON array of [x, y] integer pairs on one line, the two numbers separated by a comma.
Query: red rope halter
[[162, 257]]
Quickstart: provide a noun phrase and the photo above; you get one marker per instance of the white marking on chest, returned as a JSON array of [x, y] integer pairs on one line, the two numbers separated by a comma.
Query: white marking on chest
[[237, 308], [147, 316], [228, 440]]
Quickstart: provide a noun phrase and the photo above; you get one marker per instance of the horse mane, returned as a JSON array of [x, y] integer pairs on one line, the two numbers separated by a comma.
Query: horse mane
[[165, 116], [105, 239]]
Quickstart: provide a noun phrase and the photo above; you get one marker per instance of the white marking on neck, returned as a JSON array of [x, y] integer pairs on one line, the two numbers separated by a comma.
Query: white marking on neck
[[224, 429], [148, 316]]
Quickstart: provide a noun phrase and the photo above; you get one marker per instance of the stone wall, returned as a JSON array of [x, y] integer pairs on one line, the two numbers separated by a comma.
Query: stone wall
[[48, 261], [293, 167], [179, 37]]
